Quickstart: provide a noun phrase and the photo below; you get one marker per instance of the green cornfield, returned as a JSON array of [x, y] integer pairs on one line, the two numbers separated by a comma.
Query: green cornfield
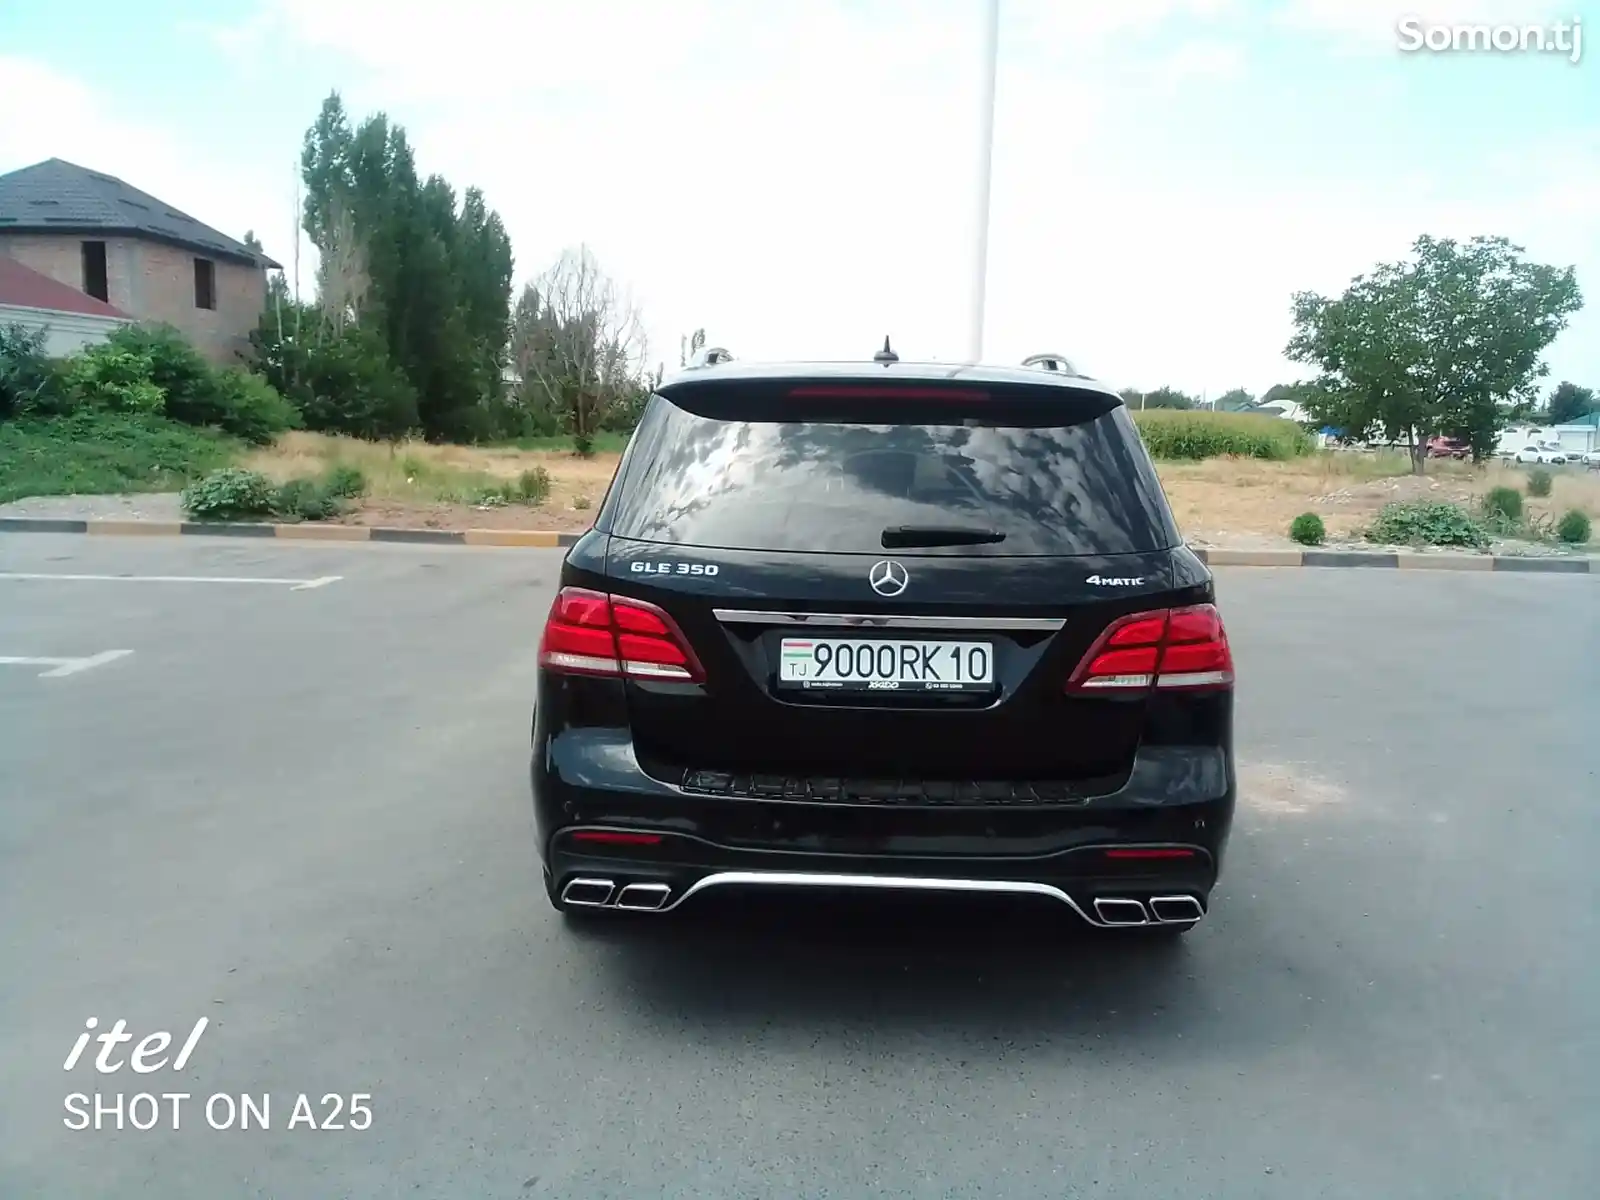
[[1176, 434]]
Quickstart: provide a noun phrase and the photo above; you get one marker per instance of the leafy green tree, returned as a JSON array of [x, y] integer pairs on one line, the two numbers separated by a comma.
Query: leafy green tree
[[1434, 345], [401, 258], [1236, 400], [1569, 402]]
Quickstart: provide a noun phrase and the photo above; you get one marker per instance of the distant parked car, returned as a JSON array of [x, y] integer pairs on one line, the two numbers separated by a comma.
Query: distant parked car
[[1592, 460], [1543, 455], [1448, 447]]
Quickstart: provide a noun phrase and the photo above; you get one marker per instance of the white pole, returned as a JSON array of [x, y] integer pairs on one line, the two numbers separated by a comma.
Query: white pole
[[980, 266]]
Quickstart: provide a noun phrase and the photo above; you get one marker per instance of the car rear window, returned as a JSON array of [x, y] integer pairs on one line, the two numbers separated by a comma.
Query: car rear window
[[1056, 474]]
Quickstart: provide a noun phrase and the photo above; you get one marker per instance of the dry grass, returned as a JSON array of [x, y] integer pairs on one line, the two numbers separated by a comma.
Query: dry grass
[[415, 475], [1214, 500], [1230, 496]]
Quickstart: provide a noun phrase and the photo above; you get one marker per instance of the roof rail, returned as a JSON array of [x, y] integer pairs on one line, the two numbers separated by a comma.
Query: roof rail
[[710, 356], [1051, 362]]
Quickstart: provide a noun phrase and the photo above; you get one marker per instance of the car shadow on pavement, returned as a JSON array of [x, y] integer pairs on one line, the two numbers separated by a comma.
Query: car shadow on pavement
[[1008, 968]]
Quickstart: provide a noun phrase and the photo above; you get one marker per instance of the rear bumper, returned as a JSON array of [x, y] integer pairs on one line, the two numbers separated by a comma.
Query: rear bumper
[[1162, 834]]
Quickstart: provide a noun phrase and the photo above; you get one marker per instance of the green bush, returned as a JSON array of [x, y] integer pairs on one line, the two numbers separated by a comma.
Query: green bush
[[99, 453], [1426, 522], [346, 482], [1175, 434], [251, 408], [1503, 503], [1308, 529], [341, 382], [197, 393], [1539, 482], [305, 500], [533, 486], [1574, 527], [230, 494], [111, 379], [30, 380], [583, 445]]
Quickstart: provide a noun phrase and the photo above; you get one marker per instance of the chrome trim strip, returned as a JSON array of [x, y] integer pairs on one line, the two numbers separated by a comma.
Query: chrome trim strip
[[904, 883], [750, 616]]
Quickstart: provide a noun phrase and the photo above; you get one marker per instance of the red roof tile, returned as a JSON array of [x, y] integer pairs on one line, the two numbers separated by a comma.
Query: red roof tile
[[26, 288]]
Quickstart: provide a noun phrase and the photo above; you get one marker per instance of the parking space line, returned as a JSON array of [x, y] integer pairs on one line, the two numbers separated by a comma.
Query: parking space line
[[61, 667], [296, 585]]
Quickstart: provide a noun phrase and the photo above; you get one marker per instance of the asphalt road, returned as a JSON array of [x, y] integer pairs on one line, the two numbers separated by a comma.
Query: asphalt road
[[302, 815]]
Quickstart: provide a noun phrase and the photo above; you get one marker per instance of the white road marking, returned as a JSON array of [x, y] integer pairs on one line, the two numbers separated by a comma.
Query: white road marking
[[296, 585], [65, 666]]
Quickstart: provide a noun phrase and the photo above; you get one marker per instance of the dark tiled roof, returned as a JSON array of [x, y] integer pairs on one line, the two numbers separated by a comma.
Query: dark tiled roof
[[60, 197], [26, 288]]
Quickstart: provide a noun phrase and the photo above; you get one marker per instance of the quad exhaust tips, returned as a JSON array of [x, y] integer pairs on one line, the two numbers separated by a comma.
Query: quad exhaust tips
[[603, 893], [1162, 910]]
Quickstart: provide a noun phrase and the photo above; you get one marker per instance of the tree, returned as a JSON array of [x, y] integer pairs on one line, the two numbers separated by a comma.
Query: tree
[[1569, 402], [1284, 393], [1236, 400], [1161, 397], [583, 343], [402, 259], [1433, 346]]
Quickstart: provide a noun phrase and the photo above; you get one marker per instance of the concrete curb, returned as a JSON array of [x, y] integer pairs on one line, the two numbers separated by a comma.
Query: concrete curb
[[550, 539], [542, 538], [1405, 560]]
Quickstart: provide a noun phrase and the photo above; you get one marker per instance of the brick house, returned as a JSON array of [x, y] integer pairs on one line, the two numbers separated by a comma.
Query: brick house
[[140, 255]]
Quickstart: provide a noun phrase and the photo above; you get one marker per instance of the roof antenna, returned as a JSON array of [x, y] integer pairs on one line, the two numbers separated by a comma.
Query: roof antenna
[[886, 355]]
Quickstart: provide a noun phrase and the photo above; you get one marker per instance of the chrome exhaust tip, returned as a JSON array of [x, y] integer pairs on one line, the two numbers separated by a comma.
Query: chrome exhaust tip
[[588, 893], [644, 897], [1176, 910], [1120, 912]]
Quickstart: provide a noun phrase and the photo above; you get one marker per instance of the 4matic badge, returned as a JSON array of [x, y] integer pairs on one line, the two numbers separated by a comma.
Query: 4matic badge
[[1115, 580]]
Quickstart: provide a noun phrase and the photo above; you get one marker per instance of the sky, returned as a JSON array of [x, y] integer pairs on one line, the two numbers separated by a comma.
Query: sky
[[799, 177]]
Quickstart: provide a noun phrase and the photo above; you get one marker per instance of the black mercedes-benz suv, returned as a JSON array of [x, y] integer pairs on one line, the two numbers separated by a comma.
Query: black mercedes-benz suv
[[885, 625]]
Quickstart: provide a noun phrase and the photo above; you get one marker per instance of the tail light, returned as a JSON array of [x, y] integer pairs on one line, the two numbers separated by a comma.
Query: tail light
[[591, 633], [1167, 649]]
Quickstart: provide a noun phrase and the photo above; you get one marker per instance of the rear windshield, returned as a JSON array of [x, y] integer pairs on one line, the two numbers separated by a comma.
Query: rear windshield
[[1055, 477]]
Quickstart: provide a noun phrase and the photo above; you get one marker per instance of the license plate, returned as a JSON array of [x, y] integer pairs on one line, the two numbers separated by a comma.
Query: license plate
[[849, 664]]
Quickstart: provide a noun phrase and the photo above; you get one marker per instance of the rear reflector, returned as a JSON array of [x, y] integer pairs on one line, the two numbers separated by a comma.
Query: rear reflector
[[1150, 852], [1173, 649], [591, 633], [611, 837]]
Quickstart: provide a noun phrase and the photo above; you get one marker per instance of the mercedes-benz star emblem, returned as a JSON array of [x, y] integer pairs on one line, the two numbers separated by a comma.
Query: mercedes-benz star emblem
[[888, 578]]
